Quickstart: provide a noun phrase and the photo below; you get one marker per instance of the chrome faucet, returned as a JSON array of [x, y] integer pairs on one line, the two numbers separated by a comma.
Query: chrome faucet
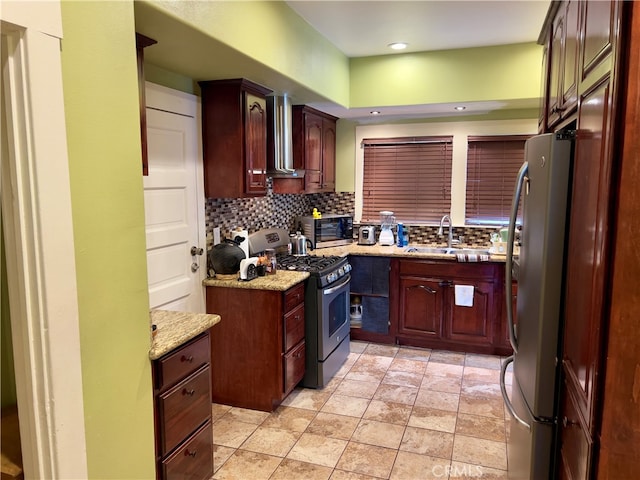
[[450, 237]]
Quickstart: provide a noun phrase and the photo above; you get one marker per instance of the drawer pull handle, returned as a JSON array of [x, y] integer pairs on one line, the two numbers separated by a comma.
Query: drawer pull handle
[[188, 392], [427, 288], [187, 359], [188, 453]]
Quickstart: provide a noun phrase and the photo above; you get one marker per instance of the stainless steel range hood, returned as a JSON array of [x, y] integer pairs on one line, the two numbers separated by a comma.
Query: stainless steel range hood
[[281, 112]]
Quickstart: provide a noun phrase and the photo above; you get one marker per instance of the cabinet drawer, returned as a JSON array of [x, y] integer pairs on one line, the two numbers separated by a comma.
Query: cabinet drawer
[[182, 362], [575, 443], [192, 460], [293, 297], [183, 408], [446, 269], [293, 327], [294, 366]]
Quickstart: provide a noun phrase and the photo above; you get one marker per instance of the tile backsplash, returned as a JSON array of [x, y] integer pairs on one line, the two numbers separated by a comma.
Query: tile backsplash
[[279, 211], [271, 211]]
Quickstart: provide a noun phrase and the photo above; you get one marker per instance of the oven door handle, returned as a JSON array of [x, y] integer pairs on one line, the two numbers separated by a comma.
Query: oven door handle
[[331, 290]]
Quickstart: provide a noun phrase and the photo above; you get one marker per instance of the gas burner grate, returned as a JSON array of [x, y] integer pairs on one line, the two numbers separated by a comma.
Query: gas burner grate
[[310, 263]]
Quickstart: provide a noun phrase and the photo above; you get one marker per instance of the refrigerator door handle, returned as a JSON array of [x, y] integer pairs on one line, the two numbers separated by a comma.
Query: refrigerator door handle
[[522, 174], [505, 397]]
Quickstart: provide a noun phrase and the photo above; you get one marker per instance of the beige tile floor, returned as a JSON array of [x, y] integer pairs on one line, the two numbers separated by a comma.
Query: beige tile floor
[[390, 412]]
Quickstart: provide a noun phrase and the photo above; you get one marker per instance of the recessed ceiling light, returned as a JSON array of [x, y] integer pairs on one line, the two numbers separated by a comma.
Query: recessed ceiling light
[[460, 108], [398, 45], [374, 112]]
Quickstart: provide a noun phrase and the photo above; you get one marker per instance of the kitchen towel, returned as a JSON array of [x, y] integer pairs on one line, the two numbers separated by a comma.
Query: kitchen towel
[[464, 295], [472, 257]]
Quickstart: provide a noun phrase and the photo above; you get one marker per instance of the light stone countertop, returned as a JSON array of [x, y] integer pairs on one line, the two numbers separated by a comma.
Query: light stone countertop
[[176, 328], [281, 281], [393, 251]]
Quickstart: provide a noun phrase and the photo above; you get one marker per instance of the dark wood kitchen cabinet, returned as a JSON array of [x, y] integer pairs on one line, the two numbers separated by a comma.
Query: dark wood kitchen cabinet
[[427, 314], [563, 62], [595, 425], [234, 137], [143, 42], [314, 148], [182, 391], [258, 351]]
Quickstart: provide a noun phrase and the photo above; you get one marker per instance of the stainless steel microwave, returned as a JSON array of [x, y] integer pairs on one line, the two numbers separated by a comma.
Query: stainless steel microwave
[[328, 231]]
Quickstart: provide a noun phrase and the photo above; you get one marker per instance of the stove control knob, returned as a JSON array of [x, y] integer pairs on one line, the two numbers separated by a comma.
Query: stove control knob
[[341, 272], [347, 267], [332, 277]]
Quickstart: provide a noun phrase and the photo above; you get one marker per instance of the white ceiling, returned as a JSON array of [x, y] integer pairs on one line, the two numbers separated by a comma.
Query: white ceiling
[[365, 28]]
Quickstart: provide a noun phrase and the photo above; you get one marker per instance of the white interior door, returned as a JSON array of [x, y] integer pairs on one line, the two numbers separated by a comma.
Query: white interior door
[[174, 202]]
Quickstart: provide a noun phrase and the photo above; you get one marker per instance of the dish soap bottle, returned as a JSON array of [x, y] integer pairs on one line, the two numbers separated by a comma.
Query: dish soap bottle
[[400, 240]]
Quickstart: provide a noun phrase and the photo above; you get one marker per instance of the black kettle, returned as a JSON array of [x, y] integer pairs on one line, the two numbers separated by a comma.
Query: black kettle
[[224, 258]]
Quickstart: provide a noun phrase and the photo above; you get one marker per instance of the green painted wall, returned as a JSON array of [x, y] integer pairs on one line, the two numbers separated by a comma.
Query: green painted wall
[[471, 74], [103, 134], [270, 33], [169, 79], [345, 160]]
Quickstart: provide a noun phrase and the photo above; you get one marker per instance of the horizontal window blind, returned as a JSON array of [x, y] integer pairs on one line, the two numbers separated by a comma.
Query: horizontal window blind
[[492, 168], [410, 176]]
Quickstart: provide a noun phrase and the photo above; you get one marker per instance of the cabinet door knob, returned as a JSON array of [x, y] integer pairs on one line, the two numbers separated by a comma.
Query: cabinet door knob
[[186, 359], [190, 453], [188, 392], [568, 423]]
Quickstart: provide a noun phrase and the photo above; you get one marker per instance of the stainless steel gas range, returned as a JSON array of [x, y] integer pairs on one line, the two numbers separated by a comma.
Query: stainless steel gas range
[[326, 304]]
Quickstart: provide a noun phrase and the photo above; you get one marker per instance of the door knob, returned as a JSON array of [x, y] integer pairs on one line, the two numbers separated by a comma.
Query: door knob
[[194, 267], [196, 251]]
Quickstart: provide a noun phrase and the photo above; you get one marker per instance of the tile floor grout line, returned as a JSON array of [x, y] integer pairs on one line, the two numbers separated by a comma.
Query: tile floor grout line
[[438, 358]]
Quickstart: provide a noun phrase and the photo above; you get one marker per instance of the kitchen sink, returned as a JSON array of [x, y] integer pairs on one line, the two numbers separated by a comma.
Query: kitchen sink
[[438, 250], [447, 251]]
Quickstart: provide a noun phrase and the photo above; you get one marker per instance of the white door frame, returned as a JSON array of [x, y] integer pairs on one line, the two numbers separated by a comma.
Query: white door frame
[[38, 229], [174, 101]]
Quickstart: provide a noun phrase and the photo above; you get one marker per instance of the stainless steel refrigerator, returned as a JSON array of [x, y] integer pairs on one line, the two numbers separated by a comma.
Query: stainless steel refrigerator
[[543, 185]]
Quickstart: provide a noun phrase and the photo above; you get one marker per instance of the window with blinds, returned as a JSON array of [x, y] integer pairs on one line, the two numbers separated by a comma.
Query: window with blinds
[[492, 168], [410, 176]]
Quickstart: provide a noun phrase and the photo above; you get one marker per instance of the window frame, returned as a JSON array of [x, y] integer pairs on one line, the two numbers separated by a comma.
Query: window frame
[[482, 205], [402, 159]]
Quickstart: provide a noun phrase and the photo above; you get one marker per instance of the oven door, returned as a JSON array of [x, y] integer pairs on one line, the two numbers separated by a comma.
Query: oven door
[[334, 326]]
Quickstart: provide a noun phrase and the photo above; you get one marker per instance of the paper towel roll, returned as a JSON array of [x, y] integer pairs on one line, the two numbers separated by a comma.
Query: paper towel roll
[[244, 245], [464, 295]]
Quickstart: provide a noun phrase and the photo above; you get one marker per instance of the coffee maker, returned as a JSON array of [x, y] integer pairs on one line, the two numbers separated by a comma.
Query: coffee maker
[[387, 221]]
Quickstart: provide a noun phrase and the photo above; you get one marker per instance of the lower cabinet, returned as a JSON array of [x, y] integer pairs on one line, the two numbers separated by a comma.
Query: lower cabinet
[[421, 308], [429, 316], [182, 391], [575, 442], [370, 298], [258, 351]]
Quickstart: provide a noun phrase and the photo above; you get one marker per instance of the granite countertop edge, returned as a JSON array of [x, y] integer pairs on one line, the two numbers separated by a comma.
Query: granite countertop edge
[[285, 279], [174, 329], [394, 251], [281, 281]]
